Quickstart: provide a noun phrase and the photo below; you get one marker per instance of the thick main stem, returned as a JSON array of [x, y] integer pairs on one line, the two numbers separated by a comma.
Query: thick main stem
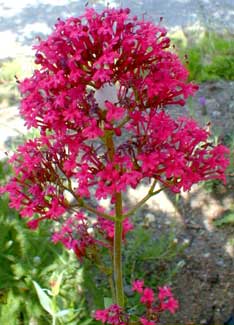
[[117, 253], [117, 258]]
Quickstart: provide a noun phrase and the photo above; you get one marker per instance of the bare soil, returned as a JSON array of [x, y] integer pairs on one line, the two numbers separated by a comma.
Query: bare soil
[[205, 284]]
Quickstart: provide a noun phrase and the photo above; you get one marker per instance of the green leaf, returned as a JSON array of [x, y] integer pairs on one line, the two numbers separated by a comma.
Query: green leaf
[[45, 301], [226, 219], [64, 312], [87, 321], [56, 287], [107, 302]]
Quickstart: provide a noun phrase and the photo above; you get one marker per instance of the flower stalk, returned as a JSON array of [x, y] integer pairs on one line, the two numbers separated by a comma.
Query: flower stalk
[[117, 260]]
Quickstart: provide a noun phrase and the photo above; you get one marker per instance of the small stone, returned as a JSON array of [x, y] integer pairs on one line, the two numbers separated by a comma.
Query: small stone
[[128, 291], [175, 240], [150, 217], [220, 263], [186, 241], [216, 114], [181, 264]]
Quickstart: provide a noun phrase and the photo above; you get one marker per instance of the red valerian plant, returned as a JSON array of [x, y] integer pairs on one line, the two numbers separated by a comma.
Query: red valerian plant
[[98, 99]]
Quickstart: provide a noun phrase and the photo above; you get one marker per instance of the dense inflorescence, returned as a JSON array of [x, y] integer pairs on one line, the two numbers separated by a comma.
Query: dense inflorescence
[[98, 99], [154, 306]]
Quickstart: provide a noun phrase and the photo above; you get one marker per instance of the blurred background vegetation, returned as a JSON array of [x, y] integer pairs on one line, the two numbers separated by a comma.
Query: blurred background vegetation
[[210, 56]]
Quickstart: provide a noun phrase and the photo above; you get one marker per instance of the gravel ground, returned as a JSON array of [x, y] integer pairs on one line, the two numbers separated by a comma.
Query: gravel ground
[[21, 21]]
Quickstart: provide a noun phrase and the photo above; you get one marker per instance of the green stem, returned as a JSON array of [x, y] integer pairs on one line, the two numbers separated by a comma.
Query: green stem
[[118, 273], [112, 287], [117, 249], [95, 211], [54, 309], [82, 204]]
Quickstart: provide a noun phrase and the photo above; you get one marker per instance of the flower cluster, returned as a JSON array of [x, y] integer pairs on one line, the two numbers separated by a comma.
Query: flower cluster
[[98, 99], [84, 238], [106, 228], [165, 301], [112, 315], [154, 307], [74, 235]]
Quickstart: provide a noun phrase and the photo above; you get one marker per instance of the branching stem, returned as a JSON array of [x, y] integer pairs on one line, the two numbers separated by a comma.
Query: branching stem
[[139, 204]]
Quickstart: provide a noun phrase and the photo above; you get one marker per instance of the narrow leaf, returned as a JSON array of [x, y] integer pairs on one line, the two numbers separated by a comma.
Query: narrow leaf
[[86, 322], [45, 301], [63, 312], [226, 219]]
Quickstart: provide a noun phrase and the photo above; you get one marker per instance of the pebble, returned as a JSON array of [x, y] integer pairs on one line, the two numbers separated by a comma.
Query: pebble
[[181, 264], [149, 217], [175, 240], [128, 291], [215, 113], [186, 241], [220, 263]]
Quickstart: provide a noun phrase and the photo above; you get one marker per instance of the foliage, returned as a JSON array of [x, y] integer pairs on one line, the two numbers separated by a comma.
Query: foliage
[[210, 57], [228, 140], [10, 71], [146, 255], [212, 185], [52, 302], [227, 218], [28, 256]]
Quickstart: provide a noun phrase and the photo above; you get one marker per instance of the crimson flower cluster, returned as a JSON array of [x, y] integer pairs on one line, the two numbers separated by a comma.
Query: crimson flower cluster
[[77, 233], [98, 99], [114, 315], [165, 298]]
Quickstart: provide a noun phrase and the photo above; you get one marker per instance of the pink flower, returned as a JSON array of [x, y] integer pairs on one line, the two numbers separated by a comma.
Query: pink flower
[[167, 301], [112, 315], [138, 286], [145, 321], [114, 113], [147, 297], [101, 315], [164, 292], [98, 100], [62, 100], [74, 235], [33, 224], [106, 228], [170, 304]]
